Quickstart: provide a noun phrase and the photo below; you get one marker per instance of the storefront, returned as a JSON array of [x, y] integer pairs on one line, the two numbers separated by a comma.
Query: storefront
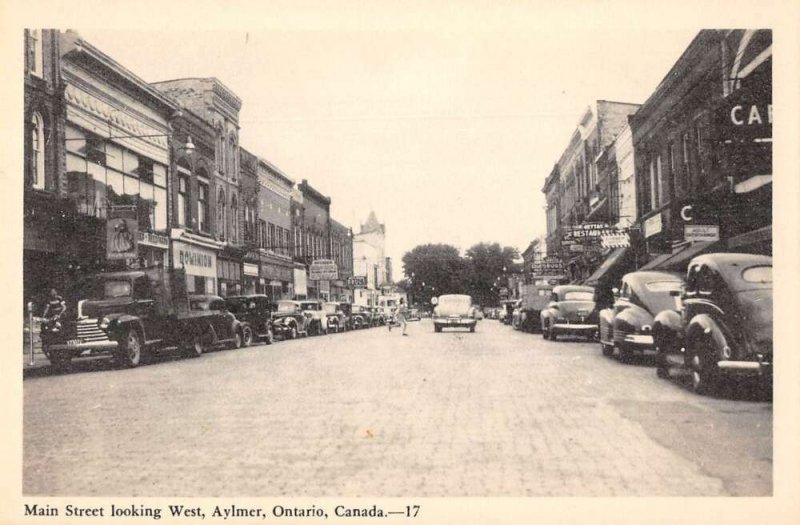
[[250, 278], [276, 276], [300, 282], [153, 249], [198, 257]]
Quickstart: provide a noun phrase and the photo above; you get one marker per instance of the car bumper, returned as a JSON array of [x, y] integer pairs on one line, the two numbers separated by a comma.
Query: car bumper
[[575, 328], [447, 321], [639, 340], [93, 346], [746, 367]]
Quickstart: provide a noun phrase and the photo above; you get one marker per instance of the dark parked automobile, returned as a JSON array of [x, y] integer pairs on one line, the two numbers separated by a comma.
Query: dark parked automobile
[[725, 320], [338, 320], [289, 320], [627, 325], [227, 330], [572, 311], [255, 314], [361, 316]]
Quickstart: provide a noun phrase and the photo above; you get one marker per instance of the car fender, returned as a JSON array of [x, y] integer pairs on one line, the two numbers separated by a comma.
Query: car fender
[[634, 317], [667, 331], [704, 327], [120, 324], [606, 319]]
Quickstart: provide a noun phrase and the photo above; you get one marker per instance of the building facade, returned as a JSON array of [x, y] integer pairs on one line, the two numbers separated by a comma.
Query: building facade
[[275, 232], [249, 192], [219, 107], [369, 259], [314, 227], [703, 151], [342, 255]]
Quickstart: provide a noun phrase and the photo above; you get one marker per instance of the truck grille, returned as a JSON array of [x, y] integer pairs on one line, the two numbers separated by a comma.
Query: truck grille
[[89, 332]]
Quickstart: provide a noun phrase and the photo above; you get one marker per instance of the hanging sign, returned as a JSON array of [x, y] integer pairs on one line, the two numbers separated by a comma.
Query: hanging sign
[[121, 233]]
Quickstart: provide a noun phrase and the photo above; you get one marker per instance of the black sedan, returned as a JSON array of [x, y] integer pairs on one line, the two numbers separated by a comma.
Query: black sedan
[[628, 324], [725, 322]]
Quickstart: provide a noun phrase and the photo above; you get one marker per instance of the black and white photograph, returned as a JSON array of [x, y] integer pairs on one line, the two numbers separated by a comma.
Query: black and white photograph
[[343, 263]]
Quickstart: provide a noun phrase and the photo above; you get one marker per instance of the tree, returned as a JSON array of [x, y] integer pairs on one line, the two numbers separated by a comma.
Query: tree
[[433, 270], [488, 266]]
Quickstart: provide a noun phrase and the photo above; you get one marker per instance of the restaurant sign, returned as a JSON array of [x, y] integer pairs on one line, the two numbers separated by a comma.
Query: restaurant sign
[[588, 230]]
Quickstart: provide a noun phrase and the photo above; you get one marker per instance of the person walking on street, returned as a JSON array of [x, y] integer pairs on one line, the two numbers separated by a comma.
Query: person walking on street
[[401, 315], [55, 306]]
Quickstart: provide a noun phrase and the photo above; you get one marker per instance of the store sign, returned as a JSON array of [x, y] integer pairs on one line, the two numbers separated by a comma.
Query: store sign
[[653, 225], [616, 240], [251, 269], [588, 230], [700, 233], [121, 233], [194, 259], [323, 270], [548, 266], [359, 281], [153, 239]]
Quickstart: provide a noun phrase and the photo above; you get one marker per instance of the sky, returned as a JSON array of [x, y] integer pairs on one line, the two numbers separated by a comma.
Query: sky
[[447, 134]]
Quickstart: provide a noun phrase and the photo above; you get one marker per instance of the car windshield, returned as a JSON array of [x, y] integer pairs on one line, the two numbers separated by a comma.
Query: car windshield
[[237, 306], [578, 296], [663, 286], [311, 306], [455, 300], [199, 304], [758, 274], [106, 289], [285, 306]]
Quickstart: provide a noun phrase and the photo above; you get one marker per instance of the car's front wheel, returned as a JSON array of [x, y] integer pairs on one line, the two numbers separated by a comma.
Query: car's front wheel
[[130, 351], [607, 349], [247, 336], [701, 366]]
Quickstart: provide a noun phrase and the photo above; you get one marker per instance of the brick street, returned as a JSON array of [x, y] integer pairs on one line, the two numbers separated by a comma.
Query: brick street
[[371, 413]]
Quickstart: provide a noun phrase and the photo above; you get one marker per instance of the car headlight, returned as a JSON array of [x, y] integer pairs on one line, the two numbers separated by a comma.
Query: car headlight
[[103, 324]]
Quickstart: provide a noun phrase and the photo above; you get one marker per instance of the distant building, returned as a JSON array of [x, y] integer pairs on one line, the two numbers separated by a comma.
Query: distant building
[[369, 259]]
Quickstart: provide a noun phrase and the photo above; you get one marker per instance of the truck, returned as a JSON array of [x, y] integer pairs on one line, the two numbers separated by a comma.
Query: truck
[[534, 298], [129, 315]]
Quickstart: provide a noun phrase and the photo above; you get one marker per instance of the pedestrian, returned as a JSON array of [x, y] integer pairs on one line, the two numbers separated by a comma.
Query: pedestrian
[[55, 306], [401, 315]]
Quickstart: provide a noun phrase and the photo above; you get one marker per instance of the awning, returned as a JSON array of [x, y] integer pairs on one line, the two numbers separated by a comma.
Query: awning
[[679, 260], [612, 266]]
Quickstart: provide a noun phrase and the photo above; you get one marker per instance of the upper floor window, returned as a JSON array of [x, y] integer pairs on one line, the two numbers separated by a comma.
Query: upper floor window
[[202, 207], [35, 60], [37, 151], [234, 219], [221, 230]]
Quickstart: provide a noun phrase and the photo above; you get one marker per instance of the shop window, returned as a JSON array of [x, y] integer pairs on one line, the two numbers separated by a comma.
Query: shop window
[[37, 152], [145, 170], [202, 207], [35, 52]]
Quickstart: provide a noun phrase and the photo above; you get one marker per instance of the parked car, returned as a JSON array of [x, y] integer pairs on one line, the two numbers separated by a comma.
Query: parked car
[[289, 320], [378, 316], [128, 315], [227, 330], [412, 315], [318, 319], [725, 322], [454, 311], [255, 313], [338, 319], [361, 316], [627, 325], [571, 311]]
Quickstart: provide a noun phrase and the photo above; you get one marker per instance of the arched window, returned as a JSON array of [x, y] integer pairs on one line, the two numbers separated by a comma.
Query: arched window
[[37, 151], [221, 214], [234, 219]]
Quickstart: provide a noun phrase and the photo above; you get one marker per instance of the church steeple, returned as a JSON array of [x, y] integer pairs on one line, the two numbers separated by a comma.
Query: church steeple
[[372, 224]]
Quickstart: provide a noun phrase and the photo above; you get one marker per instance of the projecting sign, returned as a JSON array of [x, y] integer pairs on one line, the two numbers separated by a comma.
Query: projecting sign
[[548, 266], [121, 233], [358, 281], [652, 225], [616, 240], [700, 233], [323, 270]]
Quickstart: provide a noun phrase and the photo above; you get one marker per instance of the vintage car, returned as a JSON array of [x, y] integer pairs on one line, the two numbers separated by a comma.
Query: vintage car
[[338, 316], [725, 320], [571, 311], [412, 315], [627, 325], [379, 317], [361, 316], [255, 314], [318, 318], [506, 311], [227, 329], [289, 321], [453, 311]]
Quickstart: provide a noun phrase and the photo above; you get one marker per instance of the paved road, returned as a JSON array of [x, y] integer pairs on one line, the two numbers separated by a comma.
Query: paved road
[[372, 413]]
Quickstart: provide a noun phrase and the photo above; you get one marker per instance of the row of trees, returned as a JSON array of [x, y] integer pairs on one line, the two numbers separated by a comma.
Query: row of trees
[[435, 269]]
